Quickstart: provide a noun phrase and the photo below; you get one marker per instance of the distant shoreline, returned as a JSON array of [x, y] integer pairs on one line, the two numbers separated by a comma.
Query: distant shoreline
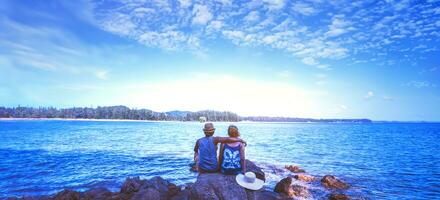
[[135, 120], [120, 113], [168, 121], [83, 119]]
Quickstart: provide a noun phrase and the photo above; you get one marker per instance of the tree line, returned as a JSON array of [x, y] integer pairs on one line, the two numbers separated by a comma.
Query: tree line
[[114, 112], [123, 112]]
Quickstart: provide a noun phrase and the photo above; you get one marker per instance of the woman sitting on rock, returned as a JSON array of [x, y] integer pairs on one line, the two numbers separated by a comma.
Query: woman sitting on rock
[[232, 159]]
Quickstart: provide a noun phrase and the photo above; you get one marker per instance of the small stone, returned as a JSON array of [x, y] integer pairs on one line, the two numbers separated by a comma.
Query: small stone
[[283, 185], [338, 197], [294, 169], [300, 191], [304, 177], [330, 181]]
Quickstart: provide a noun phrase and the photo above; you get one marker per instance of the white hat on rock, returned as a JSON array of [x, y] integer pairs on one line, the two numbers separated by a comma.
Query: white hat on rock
[[249, 181]]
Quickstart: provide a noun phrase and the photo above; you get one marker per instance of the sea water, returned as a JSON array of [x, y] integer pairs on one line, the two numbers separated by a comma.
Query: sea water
[[379, 160]]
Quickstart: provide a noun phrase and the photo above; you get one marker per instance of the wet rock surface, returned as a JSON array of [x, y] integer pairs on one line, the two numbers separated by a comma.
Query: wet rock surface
[[288, 190], [338, 197], [295, 169], [330, 181], [304, 177], [215, 186]]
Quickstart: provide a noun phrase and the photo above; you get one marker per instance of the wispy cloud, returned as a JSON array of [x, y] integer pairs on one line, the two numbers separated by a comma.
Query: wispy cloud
[[201, 14], [375, 27], [101, 74], [369, 95], [45, 49], [284, 74], [303, 8], [421, 84], [388, 98]]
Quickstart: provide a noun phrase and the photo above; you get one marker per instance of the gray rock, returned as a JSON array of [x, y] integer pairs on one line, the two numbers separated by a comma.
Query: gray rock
[[165, 188], [67, 195], [131, 185], [97, 194], [147, 194], [215, 186], [183, 194]]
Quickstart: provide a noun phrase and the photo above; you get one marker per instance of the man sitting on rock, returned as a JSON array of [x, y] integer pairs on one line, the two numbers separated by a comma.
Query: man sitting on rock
[[205, 150]]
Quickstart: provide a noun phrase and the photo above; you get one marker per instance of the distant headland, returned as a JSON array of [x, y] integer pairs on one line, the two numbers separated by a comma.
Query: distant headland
[[125, 113]]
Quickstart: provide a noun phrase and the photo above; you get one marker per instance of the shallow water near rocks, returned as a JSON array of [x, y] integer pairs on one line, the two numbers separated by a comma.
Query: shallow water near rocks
[[380, 161]]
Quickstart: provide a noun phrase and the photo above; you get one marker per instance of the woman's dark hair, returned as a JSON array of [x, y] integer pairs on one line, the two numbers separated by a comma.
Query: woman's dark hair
[[233, 131]]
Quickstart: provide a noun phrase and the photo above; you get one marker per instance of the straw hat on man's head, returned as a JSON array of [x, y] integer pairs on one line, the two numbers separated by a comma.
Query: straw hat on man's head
[[209, 128], [249, 181]]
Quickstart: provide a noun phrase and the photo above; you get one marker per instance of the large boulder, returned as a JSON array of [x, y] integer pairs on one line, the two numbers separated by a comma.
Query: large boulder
[[216, 186], [183, 194], [332, 182], [155, 188], [165, 188]]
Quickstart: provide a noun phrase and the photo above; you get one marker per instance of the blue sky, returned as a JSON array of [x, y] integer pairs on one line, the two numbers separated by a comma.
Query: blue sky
[[311, 58]]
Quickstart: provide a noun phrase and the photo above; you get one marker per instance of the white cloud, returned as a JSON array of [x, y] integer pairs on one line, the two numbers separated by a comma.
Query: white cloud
[[325, 67], [252, 16], [274, 24], [185, 3], [274, 4], [303, 8], [234, 35], [216, 25], [119, 24], [369, 95], [388, 98], [338, 27], [309, 61], [170, 40], [202, 14], [225, 2], [420, 84], [270, 39], [101, 74], [284, 74]]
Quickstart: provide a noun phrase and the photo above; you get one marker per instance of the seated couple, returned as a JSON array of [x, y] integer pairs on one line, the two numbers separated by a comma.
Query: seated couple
[[231, 160]]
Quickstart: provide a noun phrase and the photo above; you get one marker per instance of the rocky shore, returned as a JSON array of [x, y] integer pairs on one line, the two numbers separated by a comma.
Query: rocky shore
[[212, 186]]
